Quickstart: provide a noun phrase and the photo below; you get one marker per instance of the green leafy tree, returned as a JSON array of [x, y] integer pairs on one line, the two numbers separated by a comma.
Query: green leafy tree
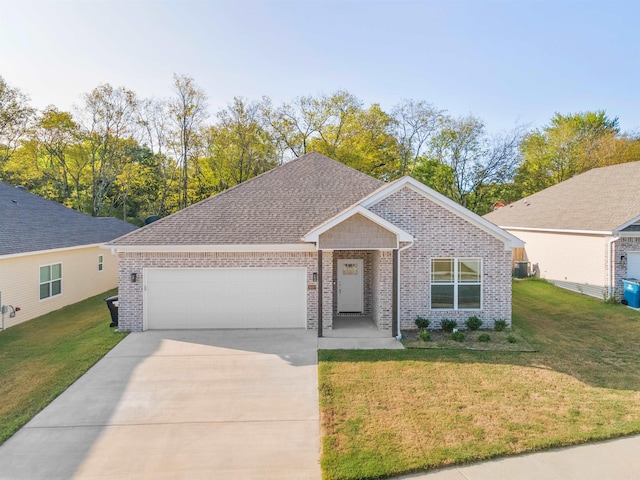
[[15, 119], [237, 146], [569, 145], [364, 140], [108, 115]]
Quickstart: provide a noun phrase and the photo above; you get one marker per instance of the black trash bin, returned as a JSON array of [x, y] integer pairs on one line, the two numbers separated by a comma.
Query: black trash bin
[[112, 304]]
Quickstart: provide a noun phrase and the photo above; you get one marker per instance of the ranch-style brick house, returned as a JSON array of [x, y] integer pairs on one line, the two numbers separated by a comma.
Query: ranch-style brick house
[[310, 242]]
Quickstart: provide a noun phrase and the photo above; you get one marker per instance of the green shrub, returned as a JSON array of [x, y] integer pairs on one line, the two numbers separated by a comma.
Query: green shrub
[[500, 325], [484, 337], [422, 323], [448, 325], [457, 336], [425, 336], [473, 323], [512, 338]]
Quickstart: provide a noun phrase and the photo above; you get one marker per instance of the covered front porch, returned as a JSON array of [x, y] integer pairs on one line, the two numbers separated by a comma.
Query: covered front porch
[[358, 275], [357, 333]]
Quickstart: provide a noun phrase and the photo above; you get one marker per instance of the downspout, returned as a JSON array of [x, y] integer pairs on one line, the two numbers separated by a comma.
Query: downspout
[[410, 244], [610, 268]]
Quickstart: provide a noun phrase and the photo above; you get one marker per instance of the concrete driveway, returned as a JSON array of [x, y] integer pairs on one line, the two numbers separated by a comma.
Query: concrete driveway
[[182, 404]]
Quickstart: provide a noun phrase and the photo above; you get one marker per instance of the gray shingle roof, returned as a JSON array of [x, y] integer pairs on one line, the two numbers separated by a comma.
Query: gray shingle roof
[[601, 199], [30, 223], [277, 207]]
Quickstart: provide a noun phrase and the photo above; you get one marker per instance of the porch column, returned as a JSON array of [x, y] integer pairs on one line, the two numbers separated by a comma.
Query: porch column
[[394, 295], [320, 290]]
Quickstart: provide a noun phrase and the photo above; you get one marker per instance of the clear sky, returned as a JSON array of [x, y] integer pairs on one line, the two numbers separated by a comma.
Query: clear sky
[[507, 62]]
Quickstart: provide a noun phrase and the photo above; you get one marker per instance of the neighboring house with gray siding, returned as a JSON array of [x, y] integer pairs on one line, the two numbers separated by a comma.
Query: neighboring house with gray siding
[[306, 245], [50, 255], [582, 234]]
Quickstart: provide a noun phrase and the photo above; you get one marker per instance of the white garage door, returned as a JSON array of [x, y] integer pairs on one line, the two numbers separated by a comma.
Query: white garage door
[[225, 298]]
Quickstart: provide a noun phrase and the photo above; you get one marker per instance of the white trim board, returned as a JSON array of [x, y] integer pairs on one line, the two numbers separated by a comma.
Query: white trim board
[[298, 247], [53, 250]]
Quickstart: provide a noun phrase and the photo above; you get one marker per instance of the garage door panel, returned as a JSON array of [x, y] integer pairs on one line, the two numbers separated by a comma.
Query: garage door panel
[[225, 298]]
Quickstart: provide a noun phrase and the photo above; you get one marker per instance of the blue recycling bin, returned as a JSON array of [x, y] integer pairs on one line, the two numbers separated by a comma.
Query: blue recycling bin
[[632, 292]]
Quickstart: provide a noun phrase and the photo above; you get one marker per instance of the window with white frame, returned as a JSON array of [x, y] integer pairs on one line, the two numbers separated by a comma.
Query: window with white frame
[[50, 280], [456, 283], [100, 263]]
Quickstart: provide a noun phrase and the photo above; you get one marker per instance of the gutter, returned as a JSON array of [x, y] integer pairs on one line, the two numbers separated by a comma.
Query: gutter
[[399, 337], [610, 267]]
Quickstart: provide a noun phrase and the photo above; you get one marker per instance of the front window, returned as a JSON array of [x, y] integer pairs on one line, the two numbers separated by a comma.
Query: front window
[[100, 262], [456, 283], [50, 280]]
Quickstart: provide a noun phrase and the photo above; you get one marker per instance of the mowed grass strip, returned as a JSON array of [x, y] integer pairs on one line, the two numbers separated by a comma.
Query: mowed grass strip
[[391, 412], [40, 358]]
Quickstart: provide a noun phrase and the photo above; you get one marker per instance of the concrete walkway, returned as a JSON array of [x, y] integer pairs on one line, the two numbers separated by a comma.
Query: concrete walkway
[[357, 333], [611, 460], [182, 405]]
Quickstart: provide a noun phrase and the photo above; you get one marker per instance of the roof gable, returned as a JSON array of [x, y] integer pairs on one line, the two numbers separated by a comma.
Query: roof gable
[[30, 223], [510, 241], [277, 207], [350, 213], [600, 200]]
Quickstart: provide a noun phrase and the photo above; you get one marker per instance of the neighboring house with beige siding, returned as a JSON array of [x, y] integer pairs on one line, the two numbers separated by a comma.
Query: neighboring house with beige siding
[[312, 244], [51, 255], [582, 234]]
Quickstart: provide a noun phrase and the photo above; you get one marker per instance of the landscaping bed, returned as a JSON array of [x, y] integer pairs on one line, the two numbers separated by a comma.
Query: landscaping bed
[[506, 340], [40, 358], [392, 412]]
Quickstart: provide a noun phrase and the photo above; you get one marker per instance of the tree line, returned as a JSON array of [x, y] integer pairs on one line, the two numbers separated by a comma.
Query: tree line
[[121, 155]]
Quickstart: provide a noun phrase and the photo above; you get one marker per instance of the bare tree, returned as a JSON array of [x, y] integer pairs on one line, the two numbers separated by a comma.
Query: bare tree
[[474, 160], [188, 111], [416, 123], [153, 119]]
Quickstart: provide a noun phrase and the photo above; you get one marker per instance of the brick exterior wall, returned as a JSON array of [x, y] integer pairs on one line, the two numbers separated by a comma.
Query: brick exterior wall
[[622, 247], [440, 233], [130, 313], [383, 290]]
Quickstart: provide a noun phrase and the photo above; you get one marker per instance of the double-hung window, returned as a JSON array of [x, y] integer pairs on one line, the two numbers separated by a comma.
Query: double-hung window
[[100, 262], [50, 280], [456, 283]]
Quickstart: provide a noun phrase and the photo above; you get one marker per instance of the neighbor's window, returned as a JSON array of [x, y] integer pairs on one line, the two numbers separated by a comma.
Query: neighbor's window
[[456, 283], [100, 261], [50, 280]]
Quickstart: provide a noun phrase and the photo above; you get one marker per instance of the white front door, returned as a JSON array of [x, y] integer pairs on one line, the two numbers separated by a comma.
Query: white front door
[[350, 286]]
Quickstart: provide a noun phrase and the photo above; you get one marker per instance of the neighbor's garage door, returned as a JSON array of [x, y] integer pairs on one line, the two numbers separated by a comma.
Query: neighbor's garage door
[[225, 298], [633, 265]]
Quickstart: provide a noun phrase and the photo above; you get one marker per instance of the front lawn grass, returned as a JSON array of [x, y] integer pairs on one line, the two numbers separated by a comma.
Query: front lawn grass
[[40, 358], [389, 412]]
